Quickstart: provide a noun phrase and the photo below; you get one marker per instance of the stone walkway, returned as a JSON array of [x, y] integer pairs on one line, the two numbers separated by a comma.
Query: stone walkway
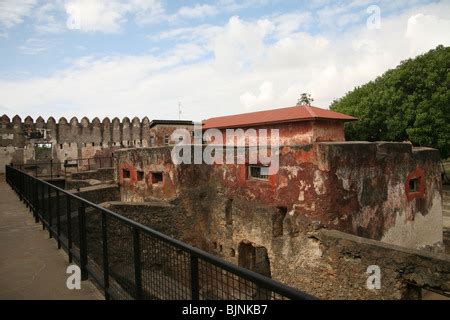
[[31, 266]]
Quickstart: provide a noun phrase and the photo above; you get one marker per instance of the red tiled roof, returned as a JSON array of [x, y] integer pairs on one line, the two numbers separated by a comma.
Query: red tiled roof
[[291, 114]]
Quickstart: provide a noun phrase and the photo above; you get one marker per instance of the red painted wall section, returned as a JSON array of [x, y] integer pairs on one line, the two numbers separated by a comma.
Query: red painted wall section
[[418, 174], [169, 185], [328, 131], [133, 173], [296, 133]]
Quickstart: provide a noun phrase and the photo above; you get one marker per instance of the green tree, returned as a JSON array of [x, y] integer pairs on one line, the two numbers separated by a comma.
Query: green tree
[[305, 100], [410, 102]]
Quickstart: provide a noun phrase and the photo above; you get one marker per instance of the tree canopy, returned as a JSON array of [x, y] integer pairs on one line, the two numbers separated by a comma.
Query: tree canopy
[[408, 103], [305, 99]]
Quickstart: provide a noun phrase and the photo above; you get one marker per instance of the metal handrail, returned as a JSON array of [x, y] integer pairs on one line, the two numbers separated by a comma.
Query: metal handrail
[[27, 187]]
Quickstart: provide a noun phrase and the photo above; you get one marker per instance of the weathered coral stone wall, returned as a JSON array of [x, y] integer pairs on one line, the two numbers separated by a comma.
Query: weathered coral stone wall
[[211, 209], [359, 188], [314, 190]]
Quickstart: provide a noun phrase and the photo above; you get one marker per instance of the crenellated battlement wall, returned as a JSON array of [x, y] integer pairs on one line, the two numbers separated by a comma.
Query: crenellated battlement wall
[[115, 132], [74, 138]]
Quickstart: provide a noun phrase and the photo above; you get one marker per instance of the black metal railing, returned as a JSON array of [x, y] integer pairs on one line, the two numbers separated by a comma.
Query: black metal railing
[[54, 169], [131, 261]]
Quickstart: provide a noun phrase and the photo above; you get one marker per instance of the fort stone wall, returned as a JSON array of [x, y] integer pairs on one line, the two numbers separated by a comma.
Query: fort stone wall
[[276, 226], [73, 138]]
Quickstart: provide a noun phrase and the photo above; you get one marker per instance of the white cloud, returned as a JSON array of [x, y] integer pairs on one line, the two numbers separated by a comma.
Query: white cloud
[[236, 5], [147, 11], [108, 16], [289, 23], [12, 12], [196, 11], [33, 46], [46, 20], [98, 15], [265, 96], [425, 30], [240, 45], [252, 65], [202, 33], [188, 51]]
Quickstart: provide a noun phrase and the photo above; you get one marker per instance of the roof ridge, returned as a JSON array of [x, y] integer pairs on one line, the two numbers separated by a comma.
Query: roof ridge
[[295, 113], [311, 112], [252, 112]]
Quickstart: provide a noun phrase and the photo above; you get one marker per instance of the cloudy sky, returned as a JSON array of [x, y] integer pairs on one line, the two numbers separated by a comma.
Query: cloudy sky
[[144, 57]]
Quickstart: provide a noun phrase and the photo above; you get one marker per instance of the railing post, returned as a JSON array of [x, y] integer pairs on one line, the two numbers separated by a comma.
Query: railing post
[[137, 263], [50, 215], [43, 205], [25, 189], [58, 219], [83, 240], [29, 194], [105, 255], [20, 187], [36, 201], [69, 229], [194, 278]]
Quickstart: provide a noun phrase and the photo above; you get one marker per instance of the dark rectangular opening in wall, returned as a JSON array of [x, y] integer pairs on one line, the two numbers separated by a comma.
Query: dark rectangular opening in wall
[[277, 221], [93, 144], [157, 177], [101, 144], [166, 140], [126, 174], [258, 172], [254, 258], [140, 175], [229, 212], [414, 185], [43, 151]]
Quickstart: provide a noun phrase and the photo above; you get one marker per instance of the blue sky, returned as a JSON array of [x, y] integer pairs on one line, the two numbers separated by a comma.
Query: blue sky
[[143, 57]]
